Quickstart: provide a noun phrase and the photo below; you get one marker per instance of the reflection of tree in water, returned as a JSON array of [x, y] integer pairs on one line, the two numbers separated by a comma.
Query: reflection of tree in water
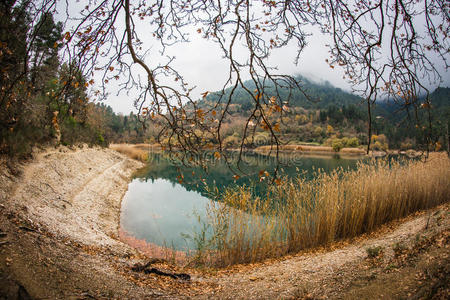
[[217, 174]]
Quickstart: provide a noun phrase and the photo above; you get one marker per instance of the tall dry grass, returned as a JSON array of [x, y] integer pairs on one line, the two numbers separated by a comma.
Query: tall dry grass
[[299, 214], [138, 152]]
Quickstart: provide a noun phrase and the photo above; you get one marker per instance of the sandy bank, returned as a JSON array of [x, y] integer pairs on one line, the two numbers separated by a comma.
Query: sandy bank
[[75, 194], [59, 218]]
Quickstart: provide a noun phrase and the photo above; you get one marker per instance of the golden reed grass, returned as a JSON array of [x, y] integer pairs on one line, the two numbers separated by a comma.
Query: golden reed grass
[[299, 214], [138, 152]]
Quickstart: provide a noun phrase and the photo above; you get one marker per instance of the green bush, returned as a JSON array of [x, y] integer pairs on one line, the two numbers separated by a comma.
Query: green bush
[[352, 142], [318, 131], [337, 145], [373, 252]]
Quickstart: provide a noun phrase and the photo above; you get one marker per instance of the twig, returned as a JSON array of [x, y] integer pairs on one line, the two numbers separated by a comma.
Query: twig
[[27, 228], [182, 276], [139, 268]]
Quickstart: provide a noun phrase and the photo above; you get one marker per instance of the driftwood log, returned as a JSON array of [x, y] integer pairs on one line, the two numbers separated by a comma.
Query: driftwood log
[[148, 270]]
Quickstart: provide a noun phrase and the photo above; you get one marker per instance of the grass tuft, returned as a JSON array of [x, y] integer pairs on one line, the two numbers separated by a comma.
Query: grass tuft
[[373, 252]]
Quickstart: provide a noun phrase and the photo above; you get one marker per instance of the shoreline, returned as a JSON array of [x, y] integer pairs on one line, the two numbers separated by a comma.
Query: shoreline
[[59, 239], [140, 151]]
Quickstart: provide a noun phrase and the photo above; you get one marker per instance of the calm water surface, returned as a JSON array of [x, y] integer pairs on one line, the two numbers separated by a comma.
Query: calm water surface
[[165, 200]]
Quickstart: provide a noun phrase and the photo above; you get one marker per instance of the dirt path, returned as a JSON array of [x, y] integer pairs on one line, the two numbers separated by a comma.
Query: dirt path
[[58, 240]]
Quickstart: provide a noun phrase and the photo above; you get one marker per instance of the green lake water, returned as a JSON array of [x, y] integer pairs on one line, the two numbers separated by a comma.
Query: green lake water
[[165, 199]]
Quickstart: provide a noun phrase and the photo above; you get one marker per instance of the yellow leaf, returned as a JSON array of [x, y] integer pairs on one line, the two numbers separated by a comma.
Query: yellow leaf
[[277, 108], [276, 127], [200, 113], [217, 155], [236, 177]]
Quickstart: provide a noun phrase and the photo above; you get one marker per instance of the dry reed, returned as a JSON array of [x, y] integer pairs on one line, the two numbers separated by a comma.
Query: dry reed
[[138, 152], [299, 214]]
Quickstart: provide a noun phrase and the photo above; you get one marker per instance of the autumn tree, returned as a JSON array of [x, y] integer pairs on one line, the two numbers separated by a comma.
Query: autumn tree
[[37, 95], [384, 46]]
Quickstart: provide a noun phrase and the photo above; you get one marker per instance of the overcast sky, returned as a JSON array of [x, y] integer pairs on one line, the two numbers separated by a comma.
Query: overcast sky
[[201, 64]]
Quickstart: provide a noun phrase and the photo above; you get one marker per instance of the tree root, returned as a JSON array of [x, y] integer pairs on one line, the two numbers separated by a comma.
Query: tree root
[[147, 270]]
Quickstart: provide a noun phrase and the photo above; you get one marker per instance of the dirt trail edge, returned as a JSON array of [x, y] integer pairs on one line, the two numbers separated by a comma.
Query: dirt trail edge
[[59, 217]]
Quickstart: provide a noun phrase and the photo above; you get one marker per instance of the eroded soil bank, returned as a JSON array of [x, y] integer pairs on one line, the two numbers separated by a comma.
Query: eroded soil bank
[[59, 215]]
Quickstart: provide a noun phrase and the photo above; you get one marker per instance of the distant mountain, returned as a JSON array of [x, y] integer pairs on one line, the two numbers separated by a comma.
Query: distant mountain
[[440, 97], [440, 105], [323, 95]]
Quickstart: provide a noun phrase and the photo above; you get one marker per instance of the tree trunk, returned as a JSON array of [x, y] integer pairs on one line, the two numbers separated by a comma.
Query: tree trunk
[[369, 135]]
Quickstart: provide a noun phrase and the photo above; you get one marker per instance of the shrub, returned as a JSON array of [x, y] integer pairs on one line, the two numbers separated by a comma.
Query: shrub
[[337, 145], [373, 252], [406, 145], [352, 142], [379, 142], [330, 129], [318, 131], [399, 248]]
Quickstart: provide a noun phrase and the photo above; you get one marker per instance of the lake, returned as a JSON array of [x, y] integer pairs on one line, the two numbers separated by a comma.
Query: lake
[[165, 200]]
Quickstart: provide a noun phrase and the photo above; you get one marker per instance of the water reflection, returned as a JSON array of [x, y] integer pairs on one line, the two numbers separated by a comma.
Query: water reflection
[[166, 200]]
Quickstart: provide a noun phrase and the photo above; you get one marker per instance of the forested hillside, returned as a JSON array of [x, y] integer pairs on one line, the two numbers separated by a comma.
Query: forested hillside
[[336, 117], [43, 100], [330, 114]]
